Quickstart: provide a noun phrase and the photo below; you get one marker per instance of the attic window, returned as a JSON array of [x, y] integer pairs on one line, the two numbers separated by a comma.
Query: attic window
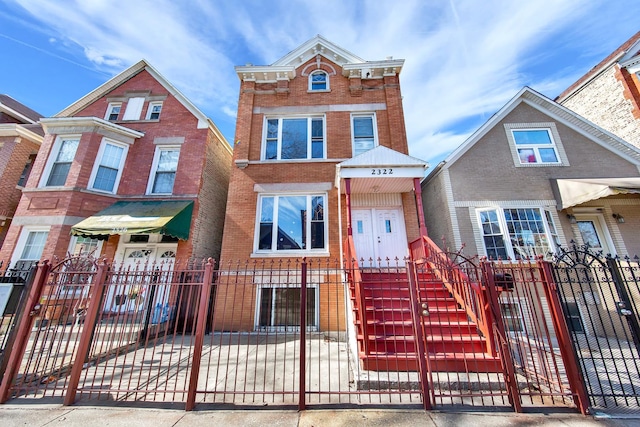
[[318, 81], [535, 144]]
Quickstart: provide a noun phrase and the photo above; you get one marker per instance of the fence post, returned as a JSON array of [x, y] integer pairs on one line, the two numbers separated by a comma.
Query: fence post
[[22, 333], [567, 351], [84, 344], [201, 324], [500, 330], [302, 389], [619, 282], [416, 317]]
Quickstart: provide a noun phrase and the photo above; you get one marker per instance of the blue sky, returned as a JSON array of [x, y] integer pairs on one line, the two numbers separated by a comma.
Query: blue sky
[[464, 59]]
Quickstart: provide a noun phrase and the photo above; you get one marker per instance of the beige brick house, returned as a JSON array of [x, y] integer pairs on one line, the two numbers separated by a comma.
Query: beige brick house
[[609, 94], [533, 177], [320, 153], [132, 171]]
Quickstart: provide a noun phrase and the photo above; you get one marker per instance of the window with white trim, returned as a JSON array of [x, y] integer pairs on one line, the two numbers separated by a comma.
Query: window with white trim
[[163, 170], [293, 223], [319, 81], [535, 146], [84, 246], [60, 160], [516, 233], [108, 168], [113, 111], [279, 308], [30, 246], [511, 316], [294, 138], [363, 131], [154, 109]]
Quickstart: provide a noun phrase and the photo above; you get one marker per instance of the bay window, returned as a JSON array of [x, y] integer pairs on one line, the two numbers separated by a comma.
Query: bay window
[[291, 223], [294, 138], [517, 233], [59, 164], [107, 170]]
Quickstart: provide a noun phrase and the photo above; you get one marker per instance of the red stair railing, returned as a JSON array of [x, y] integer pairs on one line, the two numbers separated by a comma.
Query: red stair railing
[[469, 294], [355, 282]]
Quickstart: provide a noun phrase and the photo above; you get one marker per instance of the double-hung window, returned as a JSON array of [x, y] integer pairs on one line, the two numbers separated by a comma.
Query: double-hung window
[[279, 308], [163, 170], [364, 133], [113, 111], [517, 233], [294, 138], [106, 172], [29, 247], [291, 223], [64, 150], [153, 111], [318, 81], [535, 146]]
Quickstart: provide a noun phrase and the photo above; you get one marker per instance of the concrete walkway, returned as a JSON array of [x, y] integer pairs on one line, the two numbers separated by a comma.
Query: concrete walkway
[[82, 416]]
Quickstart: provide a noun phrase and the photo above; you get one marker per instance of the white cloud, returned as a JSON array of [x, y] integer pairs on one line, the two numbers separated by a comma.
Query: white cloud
[[464, 58]]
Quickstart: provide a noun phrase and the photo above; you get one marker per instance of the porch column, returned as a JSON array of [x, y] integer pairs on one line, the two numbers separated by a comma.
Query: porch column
[[418, 190], [347, 184]]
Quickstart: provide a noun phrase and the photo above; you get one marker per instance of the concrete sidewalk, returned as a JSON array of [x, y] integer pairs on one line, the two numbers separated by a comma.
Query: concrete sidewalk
[[82, 416]]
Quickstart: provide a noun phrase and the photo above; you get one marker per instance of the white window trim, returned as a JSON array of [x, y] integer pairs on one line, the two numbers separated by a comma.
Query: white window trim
[[563, 160], [55, 149], [96, 165], [73, 242], [22, 241], [310, 86], [110, 108], [150, 110], [504, 230], [266, 253], [256, 315], [154, 166], [375, 130], [263, 150], [602, 228]]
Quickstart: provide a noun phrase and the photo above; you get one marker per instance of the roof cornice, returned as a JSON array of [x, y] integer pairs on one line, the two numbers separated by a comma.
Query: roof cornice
[[15, 129]]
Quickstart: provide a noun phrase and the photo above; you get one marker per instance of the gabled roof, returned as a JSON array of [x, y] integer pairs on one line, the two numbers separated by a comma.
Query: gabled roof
[[142, 65], [352, 65], [558, 113], [21, 112], [625, 53], [381, 157]]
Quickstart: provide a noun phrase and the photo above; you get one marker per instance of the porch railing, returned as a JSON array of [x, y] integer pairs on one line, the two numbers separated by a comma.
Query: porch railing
[[354, 279], [467, 292]]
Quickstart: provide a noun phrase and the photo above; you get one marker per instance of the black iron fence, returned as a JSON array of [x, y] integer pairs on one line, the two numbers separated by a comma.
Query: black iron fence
[[601, 301]]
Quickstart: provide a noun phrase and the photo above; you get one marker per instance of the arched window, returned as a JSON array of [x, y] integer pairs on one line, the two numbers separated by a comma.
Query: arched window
[[318, 80]]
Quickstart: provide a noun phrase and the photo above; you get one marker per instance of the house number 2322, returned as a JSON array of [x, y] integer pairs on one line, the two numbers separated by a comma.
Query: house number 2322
[[382, 171]]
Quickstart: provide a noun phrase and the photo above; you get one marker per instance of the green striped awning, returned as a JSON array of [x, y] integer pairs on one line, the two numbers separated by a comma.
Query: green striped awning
[[172, 218]]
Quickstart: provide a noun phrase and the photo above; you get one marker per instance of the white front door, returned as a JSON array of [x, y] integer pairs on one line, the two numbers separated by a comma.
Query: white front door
[[380, 234], [594, 233]]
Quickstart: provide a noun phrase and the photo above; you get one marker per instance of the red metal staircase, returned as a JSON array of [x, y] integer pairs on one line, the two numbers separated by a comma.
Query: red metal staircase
[[454, 340]]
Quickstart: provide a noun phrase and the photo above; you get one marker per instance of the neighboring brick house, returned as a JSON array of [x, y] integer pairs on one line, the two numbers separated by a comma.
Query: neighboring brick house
[[20, 139], [321, 149], [609, 94], [132, 171], [535, 176]]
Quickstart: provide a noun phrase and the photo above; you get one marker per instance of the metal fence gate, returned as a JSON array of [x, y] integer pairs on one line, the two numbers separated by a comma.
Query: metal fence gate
[[289, 333], [601, 301]]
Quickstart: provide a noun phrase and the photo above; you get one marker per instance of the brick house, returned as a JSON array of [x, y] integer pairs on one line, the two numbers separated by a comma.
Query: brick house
[[320, 154], [535, 176], [609, 94], [20, 139], [133, 171]]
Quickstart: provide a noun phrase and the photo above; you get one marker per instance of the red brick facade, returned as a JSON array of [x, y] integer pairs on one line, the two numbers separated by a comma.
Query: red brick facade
[[201, 176]]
